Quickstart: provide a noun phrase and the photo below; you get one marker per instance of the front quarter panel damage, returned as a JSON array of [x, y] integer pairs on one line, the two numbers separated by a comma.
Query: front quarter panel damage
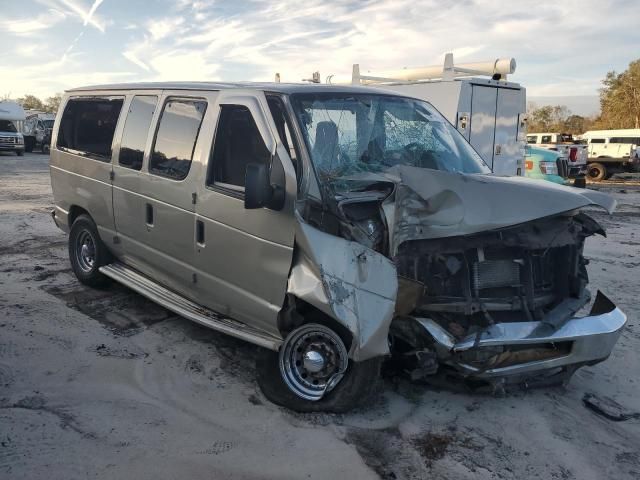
[[351, 283]]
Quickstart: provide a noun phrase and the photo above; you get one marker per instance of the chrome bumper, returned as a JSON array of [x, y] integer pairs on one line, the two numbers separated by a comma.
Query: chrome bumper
[[592, 339]]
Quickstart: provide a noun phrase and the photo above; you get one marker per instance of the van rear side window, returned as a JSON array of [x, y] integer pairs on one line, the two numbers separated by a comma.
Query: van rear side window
[[596, 140], [88, 125], [136, 130], [176, 137]]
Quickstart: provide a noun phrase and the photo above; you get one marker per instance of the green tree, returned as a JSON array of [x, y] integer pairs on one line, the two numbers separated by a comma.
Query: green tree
[[547, 118], [52, 103], [31, 102], [576, 124], [620, 98]]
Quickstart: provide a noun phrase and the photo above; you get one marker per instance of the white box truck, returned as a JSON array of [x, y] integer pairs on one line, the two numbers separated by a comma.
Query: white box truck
[[11, 120], [489, 112]]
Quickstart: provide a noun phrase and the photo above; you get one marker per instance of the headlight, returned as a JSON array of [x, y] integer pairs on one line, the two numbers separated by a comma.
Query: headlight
[[549, 168], [20, 140]]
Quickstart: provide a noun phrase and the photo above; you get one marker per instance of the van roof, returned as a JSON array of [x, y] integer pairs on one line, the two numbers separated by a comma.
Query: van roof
[[286, 88]]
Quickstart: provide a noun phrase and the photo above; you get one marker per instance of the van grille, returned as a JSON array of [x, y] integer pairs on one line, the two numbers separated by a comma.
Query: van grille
[[7, 140]]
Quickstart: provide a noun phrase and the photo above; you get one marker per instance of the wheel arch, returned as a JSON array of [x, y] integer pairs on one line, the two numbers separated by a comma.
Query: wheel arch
[[74, 212], [297, 312]]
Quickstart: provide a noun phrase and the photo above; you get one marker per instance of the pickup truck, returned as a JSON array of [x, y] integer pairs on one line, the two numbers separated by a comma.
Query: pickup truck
[[576, 154]]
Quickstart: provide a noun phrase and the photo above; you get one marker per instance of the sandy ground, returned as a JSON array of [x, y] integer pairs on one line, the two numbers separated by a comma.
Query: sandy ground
[[106, 384]]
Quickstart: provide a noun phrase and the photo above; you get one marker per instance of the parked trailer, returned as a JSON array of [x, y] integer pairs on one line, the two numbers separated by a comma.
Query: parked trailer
[[489, 112]]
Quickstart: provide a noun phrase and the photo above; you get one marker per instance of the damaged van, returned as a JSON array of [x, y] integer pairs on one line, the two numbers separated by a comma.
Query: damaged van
[[333, 226]]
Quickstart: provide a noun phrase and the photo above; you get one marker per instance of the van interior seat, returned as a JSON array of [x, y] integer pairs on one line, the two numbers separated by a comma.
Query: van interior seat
[[325, 148]]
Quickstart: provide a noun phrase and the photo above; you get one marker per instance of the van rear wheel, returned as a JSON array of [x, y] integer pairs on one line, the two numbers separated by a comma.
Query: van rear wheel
[[87, 252], [312, 372]]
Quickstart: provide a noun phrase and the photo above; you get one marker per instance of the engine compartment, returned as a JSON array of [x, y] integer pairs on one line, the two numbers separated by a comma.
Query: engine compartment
[[517, 273]]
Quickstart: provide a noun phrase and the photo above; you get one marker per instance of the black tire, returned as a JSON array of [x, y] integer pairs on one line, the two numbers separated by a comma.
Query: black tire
[[20, 153], [356, 387], [84, 232], [580, 182], [596, 172], [45, 148]]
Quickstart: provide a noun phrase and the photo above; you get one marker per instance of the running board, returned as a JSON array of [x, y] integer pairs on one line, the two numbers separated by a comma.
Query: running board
[[186, 308]]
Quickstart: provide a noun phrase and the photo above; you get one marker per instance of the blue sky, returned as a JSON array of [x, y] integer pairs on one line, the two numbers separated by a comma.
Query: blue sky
[[562, 47]]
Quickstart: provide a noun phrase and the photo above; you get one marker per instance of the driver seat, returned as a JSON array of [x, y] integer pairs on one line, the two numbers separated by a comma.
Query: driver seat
[[325, 148]]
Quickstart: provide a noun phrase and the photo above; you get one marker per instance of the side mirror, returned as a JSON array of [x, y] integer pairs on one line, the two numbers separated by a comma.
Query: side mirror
[[257, 188]]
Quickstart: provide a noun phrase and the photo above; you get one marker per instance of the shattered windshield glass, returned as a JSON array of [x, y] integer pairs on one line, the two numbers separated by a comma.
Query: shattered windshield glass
[[350, 134]]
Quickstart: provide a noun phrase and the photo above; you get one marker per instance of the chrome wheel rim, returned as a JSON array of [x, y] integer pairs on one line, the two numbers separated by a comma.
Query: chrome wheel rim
[[313, 360], [85, 251]]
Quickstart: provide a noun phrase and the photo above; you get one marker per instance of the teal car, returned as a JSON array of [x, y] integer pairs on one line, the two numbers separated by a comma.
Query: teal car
[[544, 165]]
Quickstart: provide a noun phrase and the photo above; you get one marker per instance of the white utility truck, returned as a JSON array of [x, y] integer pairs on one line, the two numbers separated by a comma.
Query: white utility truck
[[489, 112], [612, 151], [11, 120]]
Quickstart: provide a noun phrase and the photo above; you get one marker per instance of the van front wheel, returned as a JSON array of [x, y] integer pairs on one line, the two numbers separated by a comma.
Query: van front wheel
[[87, 252], [312, 372]]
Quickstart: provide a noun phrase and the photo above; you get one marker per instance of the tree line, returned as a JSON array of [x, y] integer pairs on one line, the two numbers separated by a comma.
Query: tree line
[[619, 107], [50, 105], [31, 102]]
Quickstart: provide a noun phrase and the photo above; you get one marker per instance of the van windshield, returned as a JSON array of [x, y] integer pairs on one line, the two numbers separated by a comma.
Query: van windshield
[[7, 126], [348, 134]]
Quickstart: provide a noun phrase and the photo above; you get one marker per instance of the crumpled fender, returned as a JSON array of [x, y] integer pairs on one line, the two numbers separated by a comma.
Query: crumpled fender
[[351, 283], [435, 204]]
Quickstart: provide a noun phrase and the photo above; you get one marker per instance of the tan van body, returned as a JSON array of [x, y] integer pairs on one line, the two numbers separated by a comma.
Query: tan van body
[[212, 200]]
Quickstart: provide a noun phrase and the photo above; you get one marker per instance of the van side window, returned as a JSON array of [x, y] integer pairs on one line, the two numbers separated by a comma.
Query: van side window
[[625, 140], [176, 137], [136, 130], [596, 140], [238, 143], [546, 139], [88, 125], [531, 139]]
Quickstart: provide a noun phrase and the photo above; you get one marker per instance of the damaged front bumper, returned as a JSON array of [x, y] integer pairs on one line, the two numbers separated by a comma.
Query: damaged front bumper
[[530, 348]]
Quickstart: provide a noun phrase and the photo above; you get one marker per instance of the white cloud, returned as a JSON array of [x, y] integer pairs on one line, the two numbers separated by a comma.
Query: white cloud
[[561, 47], [87, 15], [28, 26], [132, 57]]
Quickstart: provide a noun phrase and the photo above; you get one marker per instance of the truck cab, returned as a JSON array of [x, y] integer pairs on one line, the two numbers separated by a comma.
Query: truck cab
[[37, 130]]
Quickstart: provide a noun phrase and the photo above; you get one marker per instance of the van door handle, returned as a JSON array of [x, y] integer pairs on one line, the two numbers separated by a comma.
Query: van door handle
[[149, 215], [199, 232]]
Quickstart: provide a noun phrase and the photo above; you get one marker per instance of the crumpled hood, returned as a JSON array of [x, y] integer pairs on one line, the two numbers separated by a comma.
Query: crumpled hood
[[435, 204]]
